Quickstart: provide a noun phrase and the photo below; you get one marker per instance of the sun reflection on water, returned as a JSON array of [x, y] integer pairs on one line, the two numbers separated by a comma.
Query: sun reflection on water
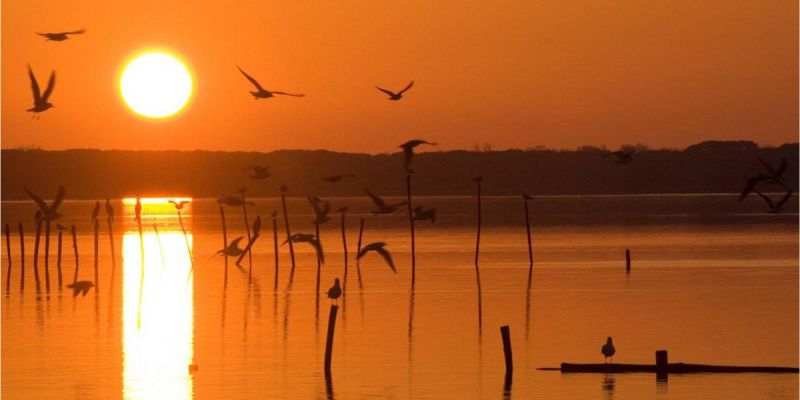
[[158, 352]]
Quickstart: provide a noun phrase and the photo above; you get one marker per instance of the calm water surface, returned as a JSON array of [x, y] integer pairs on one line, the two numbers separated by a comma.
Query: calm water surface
[[713, 281]]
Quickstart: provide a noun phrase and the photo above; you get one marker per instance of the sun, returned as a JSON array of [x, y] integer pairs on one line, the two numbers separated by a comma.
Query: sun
[[155, 84]]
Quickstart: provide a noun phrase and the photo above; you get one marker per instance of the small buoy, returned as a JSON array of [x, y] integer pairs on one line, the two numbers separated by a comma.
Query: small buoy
[[193, 368]]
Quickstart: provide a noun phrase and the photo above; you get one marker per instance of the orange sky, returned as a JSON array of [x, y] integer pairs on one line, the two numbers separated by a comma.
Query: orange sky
[[514, 73]]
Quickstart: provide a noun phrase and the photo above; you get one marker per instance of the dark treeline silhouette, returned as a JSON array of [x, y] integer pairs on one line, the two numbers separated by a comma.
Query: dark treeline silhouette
[[708, 167]]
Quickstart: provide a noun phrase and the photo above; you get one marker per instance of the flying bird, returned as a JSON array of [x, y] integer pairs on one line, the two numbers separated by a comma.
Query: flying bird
[[40, 101], [379, 248], [335, 291], [321, 210], [382, 207], [396, 96], [775, 207], [179, 204], [408, 151], [621, 156], [262, 93], [259, 171], [771, 175], [233, 249], [608, 350], [48, 213], [60, 36], [775, 174], [96, 210], [337, 178], [310, 239], [421, 214], [109, 210], [81, 287], [233, 201]]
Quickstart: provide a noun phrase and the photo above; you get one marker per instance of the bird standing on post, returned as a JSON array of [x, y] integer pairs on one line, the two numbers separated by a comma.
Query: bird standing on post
[[408, 151], [608, 350], [335, 291]]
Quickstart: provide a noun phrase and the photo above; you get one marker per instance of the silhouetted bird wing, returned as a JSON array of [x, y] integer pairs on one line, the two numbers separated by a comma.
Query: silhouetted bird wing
[[751, 184], [288, 94], [767, 200], [375, 199], [251, 79], [235, 242], [389, 92], [50, 85], [386, 256], [784, 199], [73, 32], [407, 87], [38, 200], [34, 87], [59, 198]]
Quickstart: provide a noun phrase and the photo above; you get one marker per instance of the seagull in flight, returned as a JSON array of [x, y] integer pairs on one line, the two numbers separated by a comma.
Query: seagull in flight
[[382, 207], [379, 248], [81, 287], [60, 36], [337, 178], [48, 213], [775, 208], [608, 350], [259, 172], [40, 101], [335, 291], [179, 205], [262, 93], [396, 96], [310, 239], [408, 151], [321, 210], [233, 249], [621, 156], [771, 175]]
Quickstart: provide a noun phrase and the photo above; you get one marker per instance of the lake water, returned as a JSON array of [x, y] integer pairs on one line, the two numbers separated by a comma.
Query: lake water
[[713, 281]]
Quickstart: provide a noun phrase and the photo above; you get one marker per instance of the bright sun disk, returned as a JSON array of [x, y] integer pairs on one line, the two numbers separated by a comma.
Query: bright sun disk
[[155, 85]]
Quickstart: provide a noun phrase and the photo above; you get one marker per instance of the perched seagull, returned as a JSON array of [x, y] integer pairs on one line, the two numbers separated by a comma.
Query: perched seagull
[[233, 249], [60, 227], [337, 178], [775, 207], [109, 210], [378, 247], [526, 196], [335, 291], [284, 189], [421, 214], [138, 209], [60, 36], [382, 207], [478, 179], [80, 287], [233, 201], [342, 209], [179, 205], [96, 210], [608, 350], [257, 225], [321, 210], [396, 96], [621, 156], [310, 239], [48, 213], [259, 172], [40, 101], [264, 93], [408, 151]]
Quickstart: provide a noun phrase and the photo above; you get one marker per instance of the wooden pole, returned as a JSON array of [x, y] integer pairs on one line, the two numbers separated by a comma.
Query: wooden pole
[[110, 224], [478, 236], [224, 240], [411, 226], [530, 244], [58, 257], [329, 341], [141, 277], [275, 249], [247, 229], [505, 332], [36, 252], [47, 255], [21, 256], [288, 229], [358, 249], [628, 260], [8, 253], [319, 262], [75, 252], [344, 247], [662, 365], [96, 253]]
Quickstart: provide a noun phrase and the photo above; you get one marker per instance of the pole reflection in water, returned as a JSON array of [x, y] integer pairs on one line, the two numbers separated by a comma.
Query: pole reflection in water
[[157, 355]]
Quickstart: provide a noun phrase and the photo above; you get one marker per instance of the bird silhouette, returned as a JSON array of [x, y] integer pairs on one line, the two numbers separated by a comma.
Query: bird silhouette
[[259, 171], [335, 291], [179, 204], [396, 96], [262, 93], [60, 227], [257, 225], [337, 178], [526, 196], [478, 179], [378, 247], [109, 210], [382, 207], [48, 213], [775, 174], [770, 175], [96, 210], [60, 36], [233, 249], [310, 239], [621, 156], [772, 207], [421, 214], [40, 101], [608, 350], [81, 287], [233, 201], [321, 210], [408, 151], [138, 209]]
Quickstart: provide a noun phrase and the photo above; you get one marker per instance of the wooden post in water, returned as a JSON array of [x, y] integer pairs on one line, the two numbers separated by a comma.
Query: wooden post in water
[[478, 179], [662, 365], [628, 260], [530, 244], [411, 226], [47, 255], [358, 249], [329, 341], [96, 253], [505, 332], [224, 240], [36, 252], [288, 229], [58, 256], [75, 252], [110, 223], [275, 247], [21, 256], [319, 262], [8, 253], [344, 247], [247, 229]]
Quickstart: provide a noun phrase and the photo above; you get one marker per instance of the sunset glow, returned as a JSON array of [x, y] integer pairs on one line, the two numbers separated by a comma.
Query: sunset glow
[[155, 85]]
